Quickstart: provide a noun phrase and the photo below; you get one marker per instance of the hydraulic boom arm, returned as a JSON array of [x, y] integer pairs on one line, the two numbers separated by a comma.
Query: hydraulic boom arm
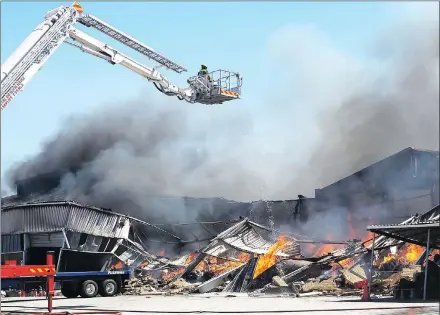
[[58, 27], [93, 46]]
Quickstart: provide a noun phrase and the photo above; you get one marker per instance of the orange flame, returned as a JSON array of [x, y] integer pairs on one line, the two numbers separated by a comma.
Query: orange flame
[[216, 265], [244, 257], [433, 253], [269, 259], [326, 248], [162, 252], [346, 263], [352, 234], [407, 254], [190, 258], [369, 238], [413, 252], [388, 258], [117, 266]]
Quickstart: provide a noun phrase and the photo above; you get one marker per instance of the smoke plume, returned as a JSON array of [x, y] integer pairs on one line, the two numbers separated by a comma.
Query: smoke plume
[[372, 110], [340, 114]]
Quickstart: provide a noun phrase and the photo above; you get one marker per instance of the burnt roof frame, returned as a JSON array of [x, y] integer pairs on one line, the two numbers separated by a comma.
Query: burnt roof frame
[[392, 231], [70, 203]]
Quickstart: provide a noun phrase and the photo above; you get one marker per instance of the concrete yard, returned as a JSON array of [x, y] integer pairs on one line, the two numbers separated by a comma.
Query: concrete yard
[[217, 304]]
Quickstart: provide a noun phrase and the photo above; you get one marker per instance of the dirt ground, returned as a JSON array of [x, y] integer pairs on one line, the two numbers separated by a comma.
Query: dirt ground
[[222, 304]]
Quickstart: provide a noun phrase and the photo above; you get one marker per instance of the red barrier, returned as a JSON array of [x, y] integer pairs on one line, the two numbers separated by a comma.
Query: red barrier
[[364, 286], [11, 271], [50, 283]]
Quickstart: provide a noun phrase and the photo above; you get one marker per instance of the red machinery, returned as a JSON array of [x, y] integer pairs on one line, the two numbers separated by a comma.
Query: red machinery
[[10, 271], [365, 292]]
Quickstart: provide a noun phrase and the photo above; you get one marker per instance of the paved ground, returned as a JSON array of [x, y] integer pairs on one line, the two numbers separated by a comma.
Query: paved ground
[[210, 304]]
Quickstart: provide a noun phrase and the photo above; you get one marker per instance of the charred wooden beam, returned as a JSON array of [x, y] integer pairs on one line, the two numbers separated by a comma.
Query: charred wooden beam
[[249, 273], [193, 264], [243, 278]]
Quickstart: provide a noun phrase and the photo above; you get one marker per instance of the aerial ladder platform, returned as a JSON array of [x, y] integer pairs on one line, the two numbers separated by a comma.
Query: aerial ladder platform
[[58, 27]]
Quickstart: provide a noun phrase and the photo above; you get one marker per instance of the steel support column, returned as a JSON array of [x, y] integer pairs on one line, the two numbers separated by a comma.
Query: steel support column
[[370, 274], [426, 265]]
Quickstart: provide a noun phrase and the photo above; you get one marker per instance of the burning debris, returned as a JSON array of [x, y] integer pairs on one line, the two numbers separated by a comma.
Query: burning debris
[[246, 257], [223, 256], [250, 258]]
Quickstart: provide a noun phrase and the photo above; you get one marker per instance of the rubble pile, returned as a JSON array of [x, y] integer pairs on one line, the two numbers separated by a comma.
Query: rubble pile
[[143, 285], [246, 258]]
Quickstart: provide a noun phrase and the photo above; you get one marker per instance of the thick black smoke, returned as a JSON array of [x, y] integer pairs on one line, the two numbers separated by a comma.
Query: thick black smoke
[[342, 116], [124, 158], [379, 108]]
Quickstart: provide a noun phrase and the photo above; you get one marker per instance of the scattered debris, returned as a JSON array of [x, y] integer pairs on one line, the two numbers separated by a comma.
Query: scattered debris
[[217, 282], [279, 282], [252, 259], [147, 285]]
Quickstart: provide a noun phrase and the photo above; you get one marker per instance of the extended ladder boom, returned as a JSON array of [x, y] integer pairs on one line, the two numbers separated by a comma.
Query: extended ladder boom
[[58, 27], [31, 55], [92, 21]]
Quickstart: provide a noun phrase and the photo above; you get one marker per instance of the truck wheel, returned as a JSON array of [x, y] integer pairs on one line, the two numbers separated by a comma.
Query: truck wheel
[[69, 292], [88, 289], [108, 287]]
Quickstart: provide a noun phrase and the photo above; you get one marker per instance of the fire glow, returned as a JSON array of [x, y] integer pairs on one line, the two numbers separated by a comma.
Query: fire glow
[[316, 251], [413, 252], [407, 254], [269, 259], [218, 266]]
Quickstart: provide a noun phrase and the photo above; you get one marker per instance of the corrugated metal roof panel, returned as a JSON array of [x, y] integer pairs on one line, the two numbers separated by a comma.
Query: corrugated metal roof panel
[[431, 216], [95, 223], [43, 218], [11, 243], [50, 217], [12, 222], [250, 241], [245, 236], [46, 239], [16, 200]]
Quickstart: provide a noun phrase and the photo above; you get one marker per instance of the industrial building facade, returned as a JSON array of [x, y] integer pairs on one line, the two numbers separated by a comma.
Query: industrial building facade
[[387, 191]]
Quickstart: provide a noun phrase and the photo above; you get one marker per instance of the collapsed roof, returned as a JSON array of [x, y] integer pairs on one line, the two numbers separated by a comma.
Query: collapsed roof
[[71, 220], [40, 217], [391, 235], [414, 230], [248, 237]]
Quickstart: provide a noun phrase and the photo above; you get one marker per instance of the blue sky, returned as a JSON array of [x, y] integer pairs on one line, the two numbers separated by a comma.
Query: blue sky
[[235, 36]]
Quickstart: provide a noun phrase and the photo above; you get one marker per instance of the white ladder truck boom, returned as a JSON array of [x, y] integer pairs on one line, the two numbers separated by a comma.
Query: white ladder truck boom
[[58, 27]]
